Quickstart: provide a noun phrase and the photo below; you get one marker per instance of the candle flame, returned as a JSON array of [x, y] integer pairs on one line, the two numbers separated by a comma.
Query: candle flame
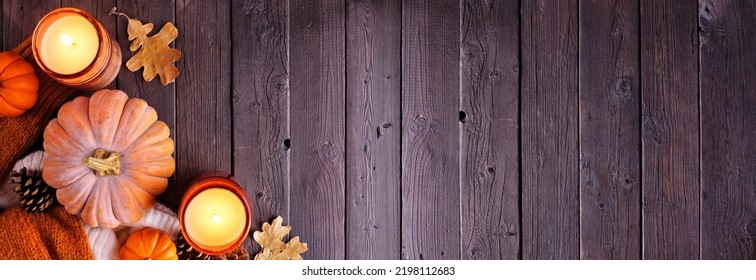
[[216, 218], [67, 39]]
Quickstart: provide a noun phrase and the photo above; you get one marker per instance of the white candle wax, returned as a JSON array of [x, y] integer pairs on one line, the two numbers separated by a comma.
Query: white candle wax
[[215, 218], [69, 45]]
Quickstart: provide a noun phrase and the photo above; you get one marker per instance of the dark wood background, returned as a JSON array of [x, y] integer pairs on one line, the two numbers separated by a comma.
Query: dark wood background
[[461, 129]]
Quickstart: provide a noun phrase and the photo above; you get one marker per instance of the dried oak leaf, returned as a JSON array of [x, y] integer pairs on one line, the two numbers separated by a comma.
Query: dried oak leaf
[[271, 236], [273, 247], [292, 250], [265, 254], [154, 53]]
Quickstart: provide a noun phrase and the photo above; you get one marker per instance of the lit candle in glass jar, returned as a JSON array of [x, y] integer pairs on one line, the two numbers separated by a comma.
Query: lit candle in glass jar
[[214, 215], [74, 48], [69, 45]]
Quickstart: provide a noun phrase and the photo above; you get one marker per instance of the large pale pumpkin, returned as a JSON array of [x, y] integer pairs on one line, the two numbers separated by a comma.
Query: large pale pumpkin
[[108, 157], [18, 85]]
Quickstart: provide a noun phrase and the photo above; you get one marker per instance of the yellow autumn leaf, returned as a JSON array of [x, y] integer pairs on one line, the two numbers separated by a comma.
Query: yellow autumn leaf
[[273, 247], [265, 254], [271, 236], [154, 54], [292, 250]]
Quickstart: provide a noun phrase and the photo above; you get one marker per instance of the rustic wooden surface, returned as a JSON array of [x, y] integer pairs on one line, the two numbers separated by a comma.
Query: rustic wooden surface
[[430, 130], [261, 107], [317, 92], [670, 122], [728, 137], [373, 214], [549, 120], [464, 129], [609, 123], [489, 96]]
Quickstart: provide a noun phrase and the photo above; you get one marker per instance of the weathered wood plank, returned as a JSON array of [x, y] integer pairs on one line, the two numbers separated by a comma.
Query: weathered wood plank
[[317, 125], [489, 148], [430, 141], [162, 98], [727, 31], [669, 90], [203, 93], [261, 107], [21, 17], [550, 178], [373, 31], [609, 130]]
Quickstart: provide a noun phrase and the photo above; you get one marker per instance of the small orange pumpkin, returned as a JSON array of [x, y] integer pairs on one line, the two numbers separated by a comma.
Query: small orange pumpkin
[[148, 244], [18, 85]]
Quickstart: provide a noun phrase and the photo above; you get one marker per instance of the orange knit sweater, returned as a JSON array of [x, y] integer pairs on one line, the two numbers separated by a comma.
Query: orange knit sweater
[[51, 235]]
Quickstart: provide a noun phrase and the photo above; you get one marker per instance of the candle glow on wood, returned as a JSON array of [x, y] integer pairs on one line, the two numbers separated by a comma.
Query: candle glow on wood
[[70, 44], [215, 218]]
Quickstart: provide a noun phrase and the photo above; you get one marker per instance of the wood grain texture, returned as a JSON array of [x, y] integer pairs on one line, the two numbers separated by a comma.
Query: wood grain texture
[[203, 93], [550, 180], [489, 147], [20, 18], [160, 97], [373, 97], [624, 130], [609, 130], [669, 71], [317, 125], [727, 31], [430, 127], [261, 107]]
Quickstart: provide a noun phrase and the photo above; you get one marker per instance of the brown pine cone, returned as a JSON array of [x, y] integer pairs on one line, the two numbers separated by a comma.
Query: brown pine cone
[[240, 253], [187, 252], [33, 194]]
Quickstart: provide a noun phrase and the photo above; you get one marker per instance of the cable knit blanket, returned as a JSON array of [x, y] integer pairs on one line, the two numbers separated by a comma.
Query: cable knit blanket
[[54, 234]]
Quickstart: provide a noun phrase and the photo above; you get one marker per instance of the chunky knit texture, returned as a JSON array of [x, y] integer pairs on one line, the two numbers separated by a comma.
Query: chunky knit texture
[[53, 235]]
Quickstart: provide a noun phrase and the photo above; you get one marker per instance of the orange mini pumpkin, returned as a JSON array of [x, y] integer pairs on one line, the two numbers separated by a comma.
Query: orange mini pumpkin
[[18, 85], [108, 157], [148, 244]]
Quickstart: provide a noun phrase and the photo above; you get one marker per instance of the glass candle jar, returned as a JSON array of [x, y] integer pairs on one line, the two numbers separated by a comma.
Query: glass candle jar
[[75, 49], [214, 214]]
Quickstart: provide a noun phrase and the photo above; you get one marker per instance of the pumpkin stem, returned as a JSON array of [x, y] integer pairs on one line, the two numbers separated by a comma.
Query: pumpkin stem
[[104, 163]]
